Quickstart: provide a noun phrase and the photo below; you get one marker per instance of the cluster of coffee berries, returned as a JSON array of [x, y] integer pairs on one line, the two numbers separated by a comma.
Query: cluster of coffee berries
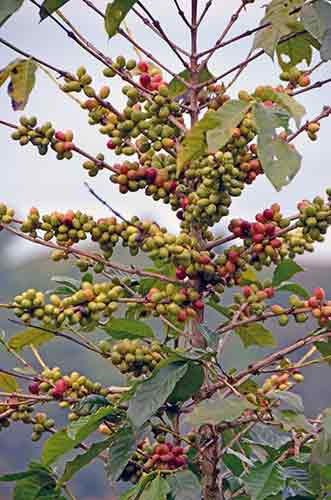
[[295, 77], [158, 456], [67, 389], [252, 300], [64, 145], [314, 219], [6, 214], [93, 167], [41, 424], [42, 137], [133, 357], [282, 381], [320, 307], [76, 84], [296, 309]]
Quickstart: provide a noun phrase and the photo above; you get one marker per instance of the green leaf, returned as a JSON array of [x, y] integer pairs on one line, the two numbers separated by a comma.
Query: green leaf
[[321, 451], [5, 72], [90, 404], [326, 46], [116, 12], [30, 336], [50, 6], [280, 161], [8, 383], [325, 349], [316, 18], [296, 110], [119, 328], [218, 410], [225, 311], [294, 288], [8, 8], [248, 276], [264, 480], [256, 334], [189, 384], [66, 281], [185, 486], [278, 13], [157, 489], [123, 443], [285, 271], [289, 401], [62, 442], [297, 49], [292, 420], [264, 435], [37, 483], [177, 88], [23, 78], [229, 116], [86, 425], [83, 460], [151, 394]]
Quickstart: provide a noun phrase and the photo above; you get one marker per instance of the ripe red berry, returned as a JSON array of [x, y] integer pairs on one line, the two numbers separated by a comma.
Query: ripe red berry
[[162, 449], [61, 386], [319, 293], [276, 243], [180, 273], [143, 66], [198, 305], [184, 202], [204, 260], [178, 450], [258, 228], [34, 388], [60, 136], [270, 229], [268, 104], [268, 214], [145, 80], [182, 315], [181, 460], [247, 291], [110, 144]]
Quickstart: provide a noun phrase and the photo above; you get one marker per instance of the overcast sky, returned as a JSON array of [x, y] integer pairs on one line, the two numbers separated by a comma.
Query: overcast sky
[[28, 179]]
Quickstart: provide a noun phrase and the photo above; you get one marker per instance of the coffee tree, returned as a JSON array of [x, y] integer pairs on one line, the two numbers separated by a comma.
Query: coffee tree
[[182, 427]]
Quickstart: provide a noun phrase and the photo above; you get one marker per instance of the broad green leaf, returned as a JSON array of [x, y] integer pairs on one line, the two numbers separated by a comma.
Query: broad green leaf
[[185, 486], [30, 336], [86, 425], [320, 476], [157, 489], [280, 161], [325, 349], [285, 271], [8, 8], [266, 436], [248, 276], [278, 13], [61, 442], [151, 394], [289, 401], [37, 484], [264, 480], [316, 18], [119, 328], [218, 410], [326, 46], [194, 143], [116, 12], [294, 288], [229, 116], [83, 460], [296, 110], [50, 6], [66, 281], [123, 443], [177, 88], [5, 72], [297, 49], [256, 334], [189, 384], [292, 420], [90, 404], [8, 383], [23, 78]]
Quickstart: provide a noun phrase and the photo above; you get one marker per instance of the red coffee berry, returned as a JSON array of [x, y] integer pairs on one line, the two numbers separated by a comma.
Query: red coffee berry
[[110, 144], [184, 202], [34, 388], [182, 316], [145, 80], [150, 174], [247, 291], [198, 305], [268, 214], [180, 273], [60, 136], [204, 260], [178, 450], [319, 293], [143, 66]]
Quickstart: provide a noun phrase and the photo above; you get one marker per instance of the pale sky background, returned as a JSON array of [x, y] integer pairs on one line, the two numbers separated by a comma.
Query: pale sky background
[[28, 179]]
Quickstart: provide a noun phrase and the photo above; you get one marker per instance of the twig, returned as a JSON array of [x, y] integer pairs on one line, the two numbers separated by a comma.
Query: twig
[[182, 14], [324, 114]]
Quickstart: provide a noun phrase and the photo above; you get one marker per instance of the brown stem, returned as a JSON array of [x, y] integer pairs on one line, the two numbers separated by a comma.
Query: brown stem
[[182, 14], [316, 85], [324, 114]]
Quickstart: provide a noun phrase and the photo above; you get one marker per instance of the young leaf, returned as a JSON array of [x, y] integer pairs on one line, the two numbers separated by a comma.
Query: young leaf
[[280, 14], [280, 161], [156, 489], [83, 460], [116, 12], [30, 336], [264, 480], [8, 8], [285, 271], [185, 486], [151, 394], [50, 6], [122, 445], [119, 328], [229, 116], [294, 288], [218, 410], [256, 334], [176, 88], [23, 78], [325, 349], [8, 383]]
